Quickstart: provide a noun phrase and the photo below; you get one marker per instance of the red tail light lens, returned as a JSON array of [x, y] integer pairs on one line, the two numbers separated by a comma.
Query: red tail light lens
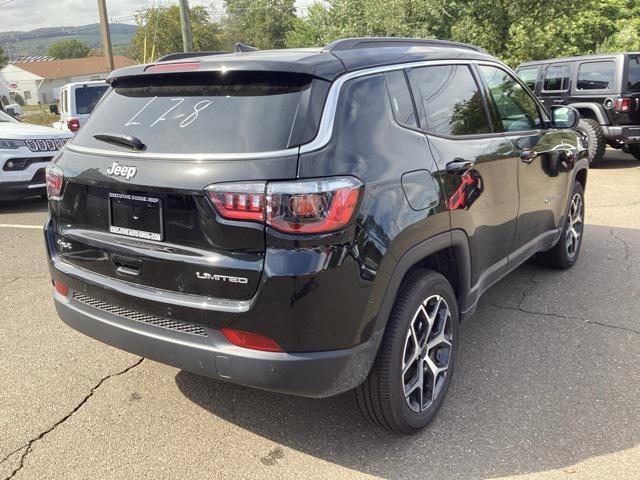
[[306, 206], [622, 105], [61, 288], [312, 206], [55, 180], [73, 124], [254, 341], [237, 201]]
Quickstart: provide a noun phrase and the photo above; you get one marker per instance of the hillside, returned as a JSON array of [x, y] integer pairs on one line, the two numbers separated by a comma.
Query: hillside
[[38, 41]]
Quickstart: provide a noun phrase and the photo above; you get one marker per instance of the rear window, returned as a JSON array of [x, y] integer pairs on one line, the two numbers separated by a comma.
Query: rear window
[[633, 75], [212, 112], [88, 97], [529, 75], [596, 75]]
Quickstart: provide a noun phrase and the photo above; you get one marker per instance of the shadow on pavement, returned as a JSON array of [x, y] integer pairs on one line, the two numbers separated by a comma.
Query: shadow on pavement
[[532, 392], [24, 205], [616, 159]]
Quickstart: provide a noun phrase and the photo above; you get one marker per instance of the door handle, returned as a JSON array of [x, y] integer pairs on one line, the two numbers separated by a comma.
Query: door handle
[[558, 102], [527, 156], [459, 166]]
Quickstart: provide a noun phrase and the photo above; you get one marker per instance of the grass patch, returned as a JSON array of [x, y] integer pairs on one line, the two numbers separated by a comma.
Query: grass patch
[[41, 118]]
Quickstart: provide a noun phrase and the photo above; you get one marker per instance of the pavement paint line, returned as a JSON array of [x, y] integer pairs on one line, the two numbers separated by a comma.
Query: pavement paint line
[[29, 227]]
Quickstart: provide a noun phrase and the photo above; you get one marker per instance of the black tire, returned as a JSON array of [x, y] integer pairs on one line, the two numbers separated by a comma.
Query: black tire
[[634, 150], [596, 143], [563, 255], [381, 398]]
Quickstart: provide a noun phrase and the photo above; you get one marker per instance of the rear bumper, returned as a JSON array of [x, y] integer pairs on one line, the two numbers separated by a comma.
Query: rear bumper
[[311, 374], [622, 134]]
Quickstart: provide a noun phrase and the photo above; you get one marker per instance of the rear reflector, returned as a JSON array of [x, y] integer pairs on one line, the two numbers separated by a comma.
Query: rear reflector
[[173, 67], [254, 341], [61, 288], [310, 206]]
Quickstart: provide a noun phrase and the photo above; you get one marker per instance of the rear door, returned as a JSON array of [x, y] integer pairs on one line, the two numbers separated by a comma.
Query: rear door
[[142, 215], [543, 176], [479, 170], [555, 85]]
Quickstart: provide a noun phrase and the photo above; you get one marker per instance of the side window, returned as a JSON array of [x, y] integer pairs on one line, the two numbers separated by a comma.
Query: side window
[[400, 98], [529, 75], [451, 100], [596, 75], [556, 78], [516, 107]]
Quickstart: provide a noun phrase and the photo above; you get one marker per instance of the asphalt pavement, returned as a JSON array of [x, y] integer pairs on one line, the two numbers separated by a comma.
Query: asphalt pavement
[[546, 385]]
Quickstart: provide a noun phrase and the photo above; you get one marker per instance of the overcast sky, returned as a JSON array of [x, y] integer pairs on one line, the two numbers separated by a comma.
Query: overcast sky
[[21, 15]]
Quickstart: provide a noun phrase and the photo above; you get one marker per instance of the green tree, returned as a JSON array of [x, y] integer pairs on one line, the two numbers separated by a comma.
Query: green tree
[[3, 58], [71, 48], [160, 33], [263, 24]]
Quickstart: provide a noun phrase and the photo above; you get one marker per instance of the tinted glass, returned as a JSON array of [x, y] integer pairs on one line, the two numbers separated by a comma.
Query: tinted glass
[[529, 75], [556, 78], [596, 75], [239, 112], [88, 97], [400, 98], [633, 76], [451, 100], [516, 107]]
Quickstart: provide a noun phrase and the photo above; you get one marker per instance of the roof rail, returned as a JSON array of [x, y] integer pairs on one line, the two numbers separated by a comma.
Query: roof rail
[[370, 42], [182, 55]]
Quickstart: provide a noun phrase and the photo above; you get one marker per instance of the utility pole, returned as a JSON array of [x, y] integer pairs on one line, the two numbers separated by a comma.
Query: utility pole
[[106, 35], [187, 38]]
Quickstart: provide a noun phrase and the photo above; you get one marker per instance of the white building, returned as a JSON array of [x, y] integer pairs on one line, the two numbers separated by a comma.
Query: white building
[[39, 81]]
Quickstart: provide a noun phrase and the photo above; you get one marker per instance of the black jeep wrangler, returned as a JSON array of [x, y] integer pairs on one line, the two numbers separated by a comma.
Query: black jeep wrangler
[[605, 89], [311, 221]]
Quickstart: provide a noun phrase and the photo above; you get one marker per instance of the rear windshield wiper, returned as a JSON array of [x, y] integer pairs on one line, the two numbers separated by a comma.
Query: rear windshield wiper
[[128, 141]]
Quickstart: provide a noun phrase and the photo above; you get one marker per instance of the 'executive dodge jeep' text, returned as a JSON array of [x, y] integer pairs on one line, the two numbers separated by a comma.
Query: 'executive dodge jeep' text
[[311, 221]]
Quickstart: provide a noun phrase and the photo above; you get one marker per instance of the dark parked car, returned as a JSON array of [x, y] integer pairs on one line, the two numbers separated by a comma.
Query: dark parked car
[[605, 89], [311, 221]]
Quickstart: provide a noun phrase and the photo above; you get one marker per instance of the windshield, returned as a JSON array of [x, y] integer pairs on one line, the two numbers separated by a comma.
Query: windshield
[[6, 118], [88, 97], [633, 77], [240, 112]]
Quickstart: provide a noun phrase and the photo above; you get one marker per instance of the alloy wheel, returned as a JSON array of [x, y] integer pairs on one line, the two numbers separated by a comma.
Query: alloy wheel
[[427, 353], [575, 225]]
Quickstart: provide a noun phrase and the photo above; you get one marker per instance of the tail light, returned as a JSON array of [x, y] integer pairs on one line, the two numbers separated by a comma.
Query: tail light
[[622, 105], [73, 124], [306, 206], [55, 179], [254, 341]]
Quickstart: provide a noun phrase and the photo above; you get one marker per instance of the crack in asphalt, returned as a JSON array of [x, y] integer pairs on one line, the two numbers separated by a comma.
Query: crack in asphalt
[[627, 264], [564, 317], [29, 445]]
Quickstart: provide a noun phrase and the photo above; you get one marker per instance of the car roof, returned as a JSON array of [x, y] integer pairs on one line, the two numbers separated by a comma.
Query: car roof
[[597, 56], [327, 62], [91, 83]]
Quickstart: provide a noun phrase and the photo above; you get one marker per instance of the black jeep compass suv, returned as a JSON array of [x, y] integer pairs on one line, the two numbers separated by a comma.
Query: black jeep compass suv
[[311, 221]]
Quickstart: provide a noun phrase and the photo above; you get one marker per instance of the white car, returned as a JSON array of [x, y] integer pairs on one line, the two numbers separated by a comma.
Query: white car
[[76, 102], [25, 152]]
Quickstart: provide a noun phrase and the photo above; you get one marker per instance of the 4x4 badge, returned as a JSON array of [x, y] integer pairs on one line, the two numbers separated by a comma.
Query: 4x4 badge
[[117, 170]]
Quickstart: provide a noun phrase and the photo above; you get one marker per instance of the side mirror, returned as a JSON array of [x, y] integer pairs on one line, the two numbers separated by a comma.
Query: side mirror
[[564, 117], [54, 109]]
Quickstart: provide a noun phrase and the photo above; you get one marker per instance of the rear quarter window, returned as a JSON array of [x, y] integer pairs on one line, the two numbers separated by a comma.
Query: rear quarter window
[[596, 75], [209, 112]]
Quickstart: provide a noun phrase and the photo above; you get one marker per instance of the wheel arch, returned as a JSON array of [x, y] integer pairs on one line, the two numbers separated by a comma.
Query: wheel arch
[[591, 110], [446, 253]]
